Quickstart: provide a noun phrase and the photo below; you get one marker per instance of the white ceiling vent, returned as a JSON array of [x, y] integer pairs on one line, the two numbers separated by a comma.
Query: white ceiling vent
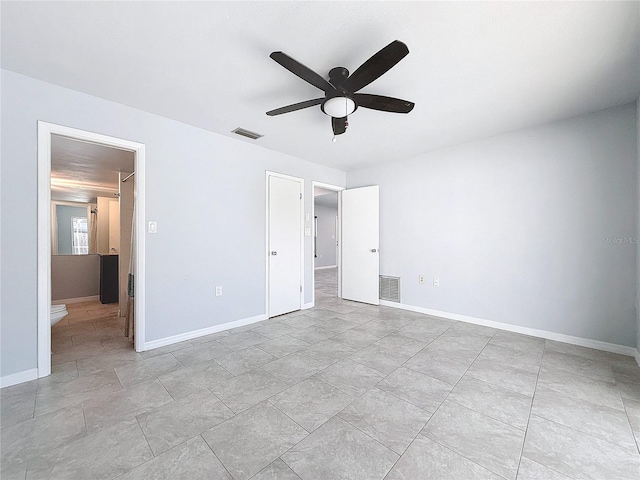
[[247, 133], [390, 288]]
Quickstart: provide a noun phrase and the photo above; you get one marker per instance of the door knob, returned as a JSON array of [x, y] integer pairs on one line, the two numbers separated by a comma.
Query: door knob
[[274, 253], [373, 250]]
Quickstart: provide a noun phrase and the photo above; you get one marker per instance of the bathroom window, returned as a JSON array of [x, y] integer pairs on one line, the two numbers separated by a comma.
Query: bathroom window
[[80, 240]]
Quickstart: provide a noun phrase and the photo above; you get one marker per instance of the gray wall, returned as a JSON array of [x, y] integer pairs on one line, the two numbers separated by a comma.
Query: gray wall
[[326, 235], [520, 228], [74, 276], [64, 213], [102, 226], [638, 225], [209, 176]]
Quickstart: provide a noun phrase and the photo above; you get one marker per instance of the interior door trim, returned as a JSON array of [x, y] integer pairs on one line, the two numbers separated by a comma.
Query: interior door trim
[[45, 131]]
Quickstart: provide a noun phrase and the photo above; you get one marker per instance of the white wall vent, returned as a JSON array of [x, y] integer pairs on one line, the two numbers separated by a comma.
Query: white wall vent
[[247, 133], [390, 288]]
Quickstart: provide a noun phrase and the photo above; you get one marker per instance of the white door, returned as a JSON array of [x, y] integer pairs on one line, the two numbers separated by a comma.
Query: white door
[[284, 245], [360, 244]]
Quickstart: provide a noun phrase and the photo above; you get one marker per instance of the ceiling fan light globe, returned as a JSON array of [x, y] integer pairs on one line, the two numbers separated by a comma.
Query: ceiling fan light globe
[[339, 107]]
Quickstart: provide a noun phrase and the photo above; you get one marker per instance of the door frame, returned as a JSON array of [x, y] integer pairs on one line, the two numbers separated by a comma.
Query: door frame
[[268, 175], [45, 130], [338, 189]]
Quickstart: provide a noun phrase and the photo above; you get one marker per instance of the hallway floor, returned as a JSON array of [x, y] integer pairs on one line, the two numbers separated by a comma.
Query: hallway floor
[[340, 391]]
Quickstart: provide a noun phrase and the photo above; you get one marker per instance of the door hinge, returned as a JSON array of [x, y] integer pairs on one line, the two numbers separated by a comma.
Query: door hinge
[[300, 196], [300, 288]]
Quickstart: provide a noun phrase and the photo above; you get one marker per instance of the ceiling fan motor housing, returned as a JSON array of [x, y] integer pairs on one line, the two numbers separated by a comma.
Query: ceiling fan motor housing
[[337, 76]]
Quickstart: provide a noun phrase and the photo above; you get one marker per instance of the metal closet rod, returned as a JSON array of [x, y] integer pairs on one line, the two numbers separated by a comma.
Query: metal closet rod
[[128, 177]]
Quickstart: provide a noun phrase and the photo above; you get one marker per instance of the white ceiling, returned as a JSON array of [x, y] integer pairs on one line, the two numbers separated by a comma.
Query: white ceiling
[[327, 200], [474, 69], [318, 191], [82, 171], [326, 197]]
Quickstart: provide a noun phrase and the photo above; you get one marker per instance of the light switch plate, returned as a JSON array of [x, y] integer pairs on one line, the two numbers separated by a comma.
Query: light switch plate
[[153, 227], [307, 232]]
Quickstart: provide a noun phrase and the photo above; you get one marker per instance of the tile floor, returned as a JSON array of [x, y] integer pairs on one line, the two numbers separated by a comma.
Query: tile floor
[[341, 391]]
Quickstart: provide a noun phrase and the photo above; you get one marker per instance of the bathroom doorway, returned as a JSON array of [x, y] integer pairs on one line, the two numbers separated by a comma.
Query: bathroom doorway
[[92, 205], [92, 201], [87, 184]]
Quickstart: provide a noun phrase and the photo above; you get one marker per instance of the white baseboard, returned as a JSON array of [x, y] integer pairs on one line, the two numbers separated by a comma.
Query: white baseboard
[[558, 337], [66, 301], [326, 268], [307, 306], [19, 377], [162, 342]]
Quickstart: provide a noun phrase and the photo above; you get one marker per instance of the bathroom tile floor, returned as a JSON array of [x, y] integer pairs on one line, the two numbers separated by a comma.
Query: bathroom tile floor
[[343, 390]]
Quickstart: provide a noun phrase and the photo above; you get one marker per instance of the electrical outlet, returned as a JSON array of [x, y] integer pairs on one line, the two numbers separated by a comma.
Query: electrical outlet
[[420, 278], [436, 282], [218, 291]]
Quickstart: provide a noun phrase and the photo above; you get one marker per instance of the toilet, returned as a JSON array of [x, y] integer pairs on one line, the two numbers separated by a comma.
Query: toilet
[[58, 312]]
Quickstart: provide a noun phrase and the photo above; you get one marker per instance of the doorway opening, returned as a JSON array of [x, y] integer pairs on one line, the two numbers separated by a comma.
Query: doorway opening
[[358, 263], [92, 206], [326, 242], [87, 228]]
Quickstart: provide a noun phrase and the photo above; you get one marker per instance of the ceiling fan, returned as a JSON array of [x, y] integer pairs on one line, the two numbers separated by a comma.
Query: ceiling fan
[[340, 98]]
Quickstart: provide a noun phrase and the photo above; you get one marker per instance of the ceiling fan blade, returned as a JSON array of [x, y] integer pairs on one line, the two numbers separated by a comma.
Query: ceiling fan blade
[[385, 104], [377, 65], [295, 106], [301, 71], [339, 125]]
